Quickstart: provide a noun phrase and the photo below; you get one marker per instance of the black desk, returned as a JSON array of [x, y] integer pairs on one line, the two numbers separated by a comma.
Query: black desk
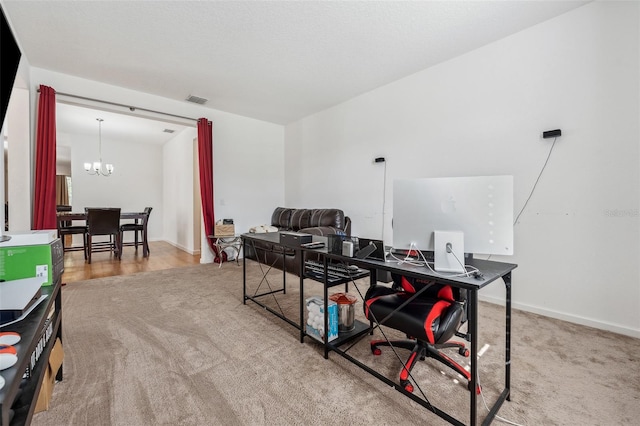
[[38, 332], [492, 271], [273, 240]]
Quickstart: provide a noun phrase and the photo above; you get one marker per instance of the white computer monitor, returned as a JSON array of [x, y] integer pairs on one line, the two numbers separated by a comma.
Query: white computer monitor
[[480, 207]]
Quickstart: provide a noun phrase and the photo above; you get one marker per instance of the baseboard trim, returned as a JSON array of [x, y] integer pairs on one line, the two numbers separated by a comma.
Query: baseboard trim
[[566, 317], [178, 246]]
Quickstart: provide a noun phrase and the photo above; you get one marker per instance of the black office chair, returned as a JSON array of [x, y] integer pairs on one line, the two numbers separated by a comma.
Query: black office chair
[[140, 228], [430, 320], [66, 227], [103, 221]]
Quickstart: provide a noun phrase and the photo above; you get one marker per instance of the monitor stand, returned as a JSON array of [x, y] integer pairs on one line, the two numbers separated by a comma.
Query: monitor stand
[[448, 251]]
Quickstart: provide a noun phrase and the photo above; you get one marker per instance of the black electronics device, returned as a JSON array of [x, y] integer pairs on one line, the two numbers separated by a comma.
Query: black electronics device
[[10, 60], [552, 133], [334, 243], [366, 251], [371, 249], [294, 239]]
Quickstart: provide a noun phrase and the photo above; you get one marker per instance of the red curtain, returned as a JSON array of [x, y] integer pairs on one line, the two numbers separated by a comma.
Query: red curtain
[[205, 161], [44, 203]]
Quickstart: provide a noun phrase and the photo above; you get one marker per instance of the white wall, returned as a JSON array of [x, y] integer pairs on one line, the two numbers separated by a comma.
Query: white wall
[[248, 153], [19, 160], [18, 126], [248, 177], [134, 185], [177, 187], [249, 171], [577, 243]]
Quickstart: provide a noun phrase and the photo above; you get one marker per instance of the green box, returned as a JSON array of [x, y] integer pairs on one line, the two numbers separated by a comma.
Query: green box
[[17, 262]]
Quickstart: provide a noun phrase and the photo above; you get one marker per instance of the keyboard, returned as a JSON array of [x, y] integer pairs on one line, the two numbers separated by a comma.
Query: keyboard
[[333, 269]]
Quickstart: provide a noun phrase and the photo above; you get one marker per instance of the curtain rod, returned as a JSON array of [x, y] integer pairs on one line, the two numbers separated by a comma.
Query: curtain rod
[[131, 108]]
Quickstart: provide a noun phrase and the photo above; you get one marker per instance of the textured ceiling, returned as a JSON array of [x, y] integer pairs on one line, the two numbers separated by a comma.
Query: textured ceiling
[[274, 61]]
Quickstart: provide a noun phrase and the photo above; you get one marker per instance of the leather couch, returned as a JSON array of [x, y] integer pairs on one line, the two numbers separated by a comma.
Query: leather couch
[[309, 221]]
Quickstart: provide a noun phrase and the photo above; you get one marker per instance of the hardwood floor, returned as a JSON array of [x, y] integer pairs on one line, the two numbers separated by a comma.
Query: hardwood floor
[[162, 256]]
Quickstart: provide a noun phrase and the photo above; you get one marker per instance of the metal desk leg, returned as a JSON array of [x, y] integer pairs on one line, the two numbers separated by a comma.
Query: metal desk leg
[[284, 271], [244, 275], [300, 254], [326, 308], [473, 330], [507, 349], [506, 393], [373, 280]]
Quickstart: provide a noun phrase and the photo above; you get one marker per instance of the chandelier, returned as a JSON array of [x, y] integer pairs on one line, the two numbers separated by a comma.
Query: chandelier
[[96, 167]]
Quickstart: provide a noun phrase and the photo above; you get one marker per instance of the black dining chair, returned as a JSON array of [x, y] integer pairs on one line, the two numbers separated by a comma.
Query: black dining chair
[[140, 232], [103, 222], [66, 227]]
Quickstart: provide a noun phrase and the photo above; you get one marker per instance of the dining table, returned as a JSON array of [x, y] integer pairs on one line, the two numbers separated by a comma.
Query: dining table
[[64, 218]]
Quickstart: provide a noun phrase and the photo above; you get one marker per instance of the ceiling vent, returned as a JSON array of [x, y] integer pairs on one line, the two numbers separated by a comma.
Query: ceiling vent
[[196, 100], [168, 130]]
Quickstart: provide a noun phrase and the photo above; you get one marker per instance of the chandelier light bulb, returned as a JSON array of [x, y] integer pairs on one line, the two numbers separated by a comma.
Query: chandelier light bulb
[[96, 168]]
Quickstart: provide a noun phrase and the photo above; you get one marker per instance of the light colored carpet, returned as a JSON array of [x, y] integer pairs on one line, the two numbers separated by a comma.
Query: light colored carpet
[[178, 347]]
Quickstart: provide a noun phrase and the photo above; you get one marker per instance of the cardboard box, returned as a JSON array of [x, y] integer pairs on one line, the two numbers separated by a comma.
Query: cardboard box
[[224, 230], [49, 380], [315, 318]]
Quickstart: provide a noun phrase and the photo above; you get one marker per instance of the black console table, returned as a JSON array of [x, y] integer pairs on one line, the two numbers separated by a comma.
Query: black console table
[[38, 333], [491, 272], [273, 240]]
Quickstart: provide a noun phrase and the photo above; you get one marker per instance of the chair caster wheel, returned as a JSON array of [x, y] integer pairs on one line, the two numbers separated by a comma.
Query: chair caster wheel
[[478, 389], [408, 386], [376, 351], [464, 352]]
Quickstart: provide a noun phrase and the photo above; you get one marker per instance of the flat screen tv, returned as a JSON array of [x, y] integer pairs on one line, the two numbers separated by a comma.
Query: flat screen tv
[[480, 208], [9, 61], [10, 58]]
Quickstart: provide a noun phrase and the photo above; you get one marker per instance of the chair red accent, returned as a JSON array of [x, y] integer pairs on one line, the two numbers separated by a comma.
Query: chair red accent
[[429, 320]]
